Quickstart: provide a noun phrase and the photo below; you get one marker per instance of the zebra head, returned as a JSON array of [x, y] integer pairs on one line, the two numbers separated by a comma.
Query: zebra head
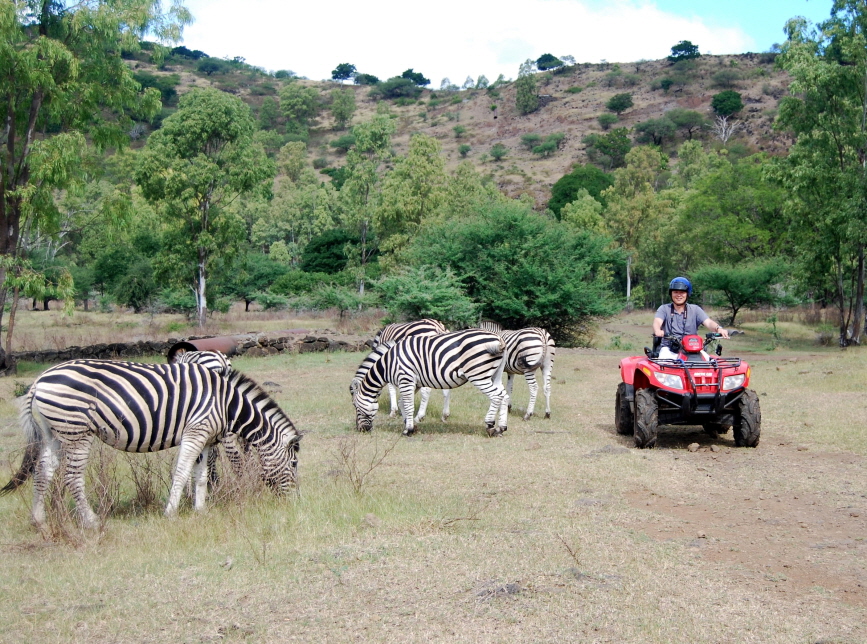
[[213, 360], [365, 411], [283, 477]]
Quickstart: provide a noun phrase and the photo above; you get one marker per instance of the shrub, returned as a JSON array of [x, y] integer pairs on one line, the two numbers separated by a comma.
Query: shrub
[[567, 188], [607, 120], [395, 87], [366, 79], [343, 143], [726, 78], [319, 163], [498, 151], [619, 103], [270, 301], [575, 89], [296, 282], [531, 140], [459, 131], [427, 291], [464, 149], [727, 103]]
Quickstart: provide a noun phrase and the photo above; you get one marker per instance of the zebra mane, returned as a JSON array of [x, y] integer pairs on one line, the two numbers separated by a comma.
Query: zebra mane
[[270, 408]]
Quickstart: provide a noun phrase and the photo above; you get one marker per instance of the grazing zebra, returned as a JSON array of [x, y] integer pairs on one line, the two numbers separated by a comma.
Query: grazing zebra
[[399, 331], [213, 360], [443, 361], [528, 350], [146, 408]]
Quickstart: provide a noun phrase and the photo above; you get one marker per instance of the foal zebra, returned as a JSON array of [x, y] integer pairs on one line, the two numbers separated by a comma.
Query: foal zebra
[[528, 349], [400, 331], [146, 408], [444, 361]]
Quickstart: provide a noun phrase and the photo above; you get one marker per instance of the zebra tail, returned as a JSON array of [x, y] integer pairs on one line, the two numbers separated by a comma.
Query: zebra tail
[[31, 453]]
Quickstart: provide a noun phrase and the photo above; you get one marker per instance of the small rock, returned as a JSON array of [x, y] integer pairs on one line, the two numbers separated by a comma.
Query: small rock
[[693, 447], [714, 448], [701, 535], [802, 448], [854, 514]]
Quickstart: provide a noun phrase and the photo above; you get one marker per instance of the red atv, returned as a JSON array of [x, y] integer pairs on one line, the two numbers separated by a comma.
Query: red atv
[[696, 388]]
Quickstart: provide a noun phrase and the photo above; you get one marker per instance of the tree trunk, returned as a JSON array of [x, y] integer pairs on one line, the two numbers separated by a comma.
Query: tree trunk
[[11, 321], [629, 282], [858, 322], [841, 305], [201, 301]]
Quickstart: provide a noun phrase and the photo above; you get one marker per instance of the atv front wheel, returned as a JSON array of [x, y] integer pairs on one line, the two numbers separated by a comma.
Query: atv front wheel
[[623, 417], [748, 420], [646, 418]]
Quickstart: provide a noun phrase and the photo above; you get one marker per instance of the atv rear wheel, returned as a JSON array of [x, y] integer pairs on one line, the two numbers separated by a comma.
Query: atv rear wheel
[[623, 417], [646, 418], [748, 420]]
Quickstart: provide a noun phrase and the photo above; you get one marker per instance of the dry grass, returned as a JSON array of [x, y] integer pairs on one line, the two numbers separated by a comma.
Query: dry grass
[[555, 532]]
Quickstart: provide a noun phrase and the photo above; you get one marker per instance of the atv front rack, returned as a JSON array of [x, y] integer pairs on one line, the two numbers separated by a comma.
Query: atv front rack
[[713, 363]]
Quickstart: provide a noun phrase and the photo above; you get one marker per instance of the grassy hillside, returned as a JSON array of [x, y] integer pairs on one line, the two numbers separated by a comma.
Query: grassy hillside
[[571, 102]]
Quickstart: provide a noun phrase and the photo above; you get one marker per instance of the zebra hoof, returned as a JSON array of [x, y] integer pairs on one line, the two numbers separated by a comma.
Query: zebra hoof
[[528, 416], [445, 417], [509, 408], [503, 429], [392, 414], [492, 431], [548, 415], [409, 431]]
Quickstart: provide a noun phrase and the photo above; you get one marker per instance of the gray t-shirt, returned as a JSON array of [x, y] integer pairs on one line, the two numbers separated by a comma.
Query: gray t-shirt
[[680, 324]]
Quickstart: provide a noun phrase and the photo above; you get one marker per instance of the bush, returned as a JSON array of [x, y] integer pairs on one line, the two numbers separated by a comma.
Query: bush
[[459, 131], [726, 78], [366, 79], [498, 151], [137, 288], [607, 120], [655, 131], [567, 188], [427, 292], [271, 301], [531, 140], [343, 143], [561, 281], [297, 282], [727, 103], [319, 163], [396, 87], [619, 103], [464, 149], [575, 90], [209, 66]]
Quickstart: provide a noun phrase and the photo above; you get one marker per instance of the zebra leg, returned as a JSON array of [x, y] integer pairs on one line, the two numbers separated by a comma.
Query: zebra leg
[[546, 384], [192, 444], [47, 465], [407, 399], [422, 408], [201, 471], [509, 383], [392, 392], [446, 402], [75, 456], [213, 474], [534, 390], [496, 393]]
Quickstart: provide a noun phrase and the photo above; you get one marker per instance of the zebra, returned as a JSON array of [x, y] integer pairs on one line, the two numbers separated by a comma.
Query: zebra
[[443, 361], [146, 408], [214, 360], [528, 350], [399, 331]]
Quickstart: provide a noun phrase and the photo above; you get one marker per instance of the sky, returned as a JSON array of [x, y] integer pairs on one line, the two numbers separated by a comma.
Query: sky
[[459, 38]]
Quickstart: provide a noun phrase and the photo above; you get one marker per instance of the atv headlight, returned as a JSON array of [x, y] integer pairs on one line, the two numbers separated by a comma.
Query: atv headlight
[[733, 382], [669, 380]]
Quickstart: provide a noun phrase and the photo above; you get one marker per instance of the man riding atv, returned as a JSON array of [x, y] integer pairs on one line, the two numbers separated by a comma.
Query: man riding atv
[[679, 318]]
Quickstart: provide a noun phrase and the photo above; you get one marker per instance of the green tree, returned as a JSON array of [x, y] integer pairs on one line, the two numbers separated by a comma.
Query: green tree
[[609, 150], [498, 151], [427, 292], [326, 253], [64, 83], [361, 192], [548, 61], [744, 285], [416, 78], [269, 112], [531, 140], [584, 212], [292, 160], [524, 269], [299, 104], [366, 79], [464, 150], [619, 103], [210, 66], [684, 50], [411, 193], [200, 160], [689, 121], [655, 131], [825, 169], [459, 131], [396, 87], [607, 120], [727, 103], [342, 107], [344, 71], [583, 177], [526, 96]]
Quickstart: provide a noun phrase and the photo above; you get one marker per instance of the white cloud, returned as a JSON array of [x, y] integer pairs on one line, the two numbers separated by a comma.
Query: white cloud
[[448, 38]]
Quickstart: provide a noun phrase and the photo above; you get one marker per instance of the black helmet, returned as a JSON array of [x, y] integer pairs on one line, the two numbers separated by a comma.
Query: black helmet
[[680, 284]]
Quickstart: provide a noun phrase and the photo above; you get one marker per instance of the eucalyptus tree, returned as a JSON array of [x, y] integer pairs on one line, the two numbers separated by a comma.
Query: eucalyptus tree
[[826, 169], [63, 83], [192, 168]]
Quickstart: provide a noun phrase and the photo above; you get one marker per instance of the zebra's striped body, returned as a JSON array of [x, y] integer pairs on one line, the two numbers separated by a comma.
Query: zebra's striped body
[[529, 350], [400, 331], [146, 408], [444, 361]]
